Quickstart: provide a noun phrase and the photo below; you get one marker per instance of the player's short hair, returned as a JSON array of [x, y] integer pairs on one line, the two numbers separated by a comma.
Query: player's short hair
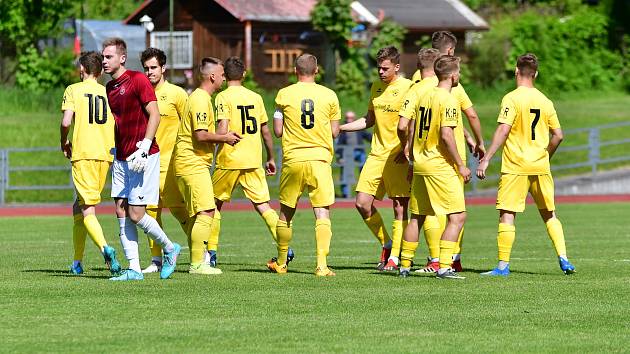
[[234, 68], [427, 57], [121, 46], [207, 63], [306, 64], [150, 53], [92, 62], [445, 66], [388, 53], [442, 40], [527, 64]]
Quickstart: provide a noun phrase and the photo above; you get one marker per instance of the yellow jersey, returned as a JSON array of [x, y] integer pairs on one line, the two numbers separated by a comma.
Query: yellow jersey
[[437, 109], [172, 101], [191, 156], [411, 102], [386, 101], [308, 109], [417, 77], [531, 115], [93, 132], [245, 111]]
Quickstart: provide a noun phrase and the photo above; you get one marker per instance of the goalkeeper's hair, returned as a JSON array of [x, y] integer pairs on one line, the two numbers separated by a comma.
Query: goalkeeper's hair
[[427, 57], [92, 63], [306, 64], [445, 66], [121, 46], [442, 40], [527, 65], [150, 53], [234, 68], [388, 53]]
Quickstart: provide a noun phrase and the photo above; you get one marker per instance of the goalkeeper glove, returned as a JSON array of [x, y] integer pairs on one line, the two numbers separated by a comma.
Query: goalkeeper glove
[[138, 160]]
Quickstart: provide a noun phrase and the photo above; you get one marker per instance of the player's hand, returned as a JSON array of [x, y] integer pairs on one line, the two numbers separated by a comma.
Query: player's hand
[[480, 151], [465, 173], [231, 138], [66, 148], [270, 168], [138, 160], [410, 173], [402, 157], [470, 142], [481, 169]]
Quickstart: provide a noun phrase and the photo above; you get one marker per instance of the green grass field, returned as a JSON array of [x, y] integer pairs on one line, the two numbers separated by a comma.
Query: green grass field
[[537, 309]]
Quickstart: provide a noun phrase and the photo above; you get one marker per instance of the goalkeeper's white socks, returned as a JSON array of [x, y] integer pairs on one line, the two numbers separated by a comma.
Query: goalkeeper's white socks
[[153, 229], [129, 241]]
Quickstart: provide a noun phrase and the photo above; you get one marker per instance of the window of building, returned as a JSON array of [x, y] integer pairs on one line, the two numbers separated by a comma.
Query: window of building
[[182, 47]]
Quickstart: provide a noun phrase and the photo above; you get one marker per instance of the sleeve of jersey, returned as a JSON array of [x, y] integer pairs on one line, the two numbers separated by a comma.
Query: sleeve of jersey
[[371, 104], [408, 108], [67, 104], [507, 112], [553, 121], [262, 114], [335, 111], [223, 109], [181, 103], [464, 100], [449, 113], [200, 114], [145, 90]]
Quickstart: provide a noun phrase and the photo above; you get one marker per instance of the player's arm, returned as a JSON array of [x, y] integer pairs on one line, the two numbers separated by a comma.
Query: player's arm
[[360, 124], [403, 133], [278, 122], [64, 129], [154, 120], [478, 149], [499, 138], [447, 134], [223, 126], [270, 164], [334, 128], [204, 136], [556, 138], [409, 147]]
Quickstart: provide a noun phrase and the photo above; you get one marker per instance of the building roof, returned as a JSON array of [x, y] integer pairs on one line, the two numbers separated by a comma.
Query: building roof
[[412, 14]]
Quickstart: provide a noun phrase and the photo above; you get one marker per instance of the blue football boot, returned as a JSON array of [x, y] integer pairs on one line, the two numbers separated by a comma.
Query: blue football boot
[[169, 261], [290, 255], [566, 266], [128, 274], [109, 253], [496, 272], [76, 269]]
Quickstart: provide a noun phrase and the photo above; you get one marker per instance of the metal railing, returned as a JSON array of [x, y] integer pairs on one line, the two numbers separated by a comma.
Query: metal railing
[[346, 165]]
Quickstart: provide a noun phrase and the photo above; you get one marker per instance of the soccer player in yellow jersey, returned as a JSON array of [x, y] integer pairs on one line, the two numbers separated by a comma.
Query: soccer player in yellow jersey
[[384, 171], [307, 118], [91, 155], [243, 111], [439, 172], [446, 43], [526, 119], [194, 151], [172, 101]]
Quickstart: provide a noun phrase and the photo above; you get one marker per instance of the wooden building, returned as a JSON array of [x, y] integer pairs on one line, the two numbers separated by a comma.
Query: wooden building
[[269, 34]]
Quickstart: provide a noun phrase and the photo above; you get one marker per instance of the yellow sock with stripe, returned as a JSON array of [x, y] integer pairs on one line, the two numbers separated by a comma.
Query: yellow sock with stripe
[[398, 226], [156, 249], [408, 251], [200, 231], [433, 228], [271, 220], [78, 237], [376, 225], [446, 253], [505, 240], [213, 240], [95, 231], [185, 221], [323, 234], [556, 234], [284, 234]]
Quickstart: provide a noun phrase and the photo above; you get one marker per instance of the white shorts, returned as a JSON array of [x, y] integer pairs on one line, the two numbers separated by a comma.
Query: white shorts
[[137, 188]]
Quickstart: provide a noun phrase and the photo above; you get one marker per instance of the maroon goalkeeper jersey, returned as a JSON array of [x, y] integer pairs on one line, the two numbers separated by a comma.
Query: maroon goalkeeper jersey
[[128, 95]]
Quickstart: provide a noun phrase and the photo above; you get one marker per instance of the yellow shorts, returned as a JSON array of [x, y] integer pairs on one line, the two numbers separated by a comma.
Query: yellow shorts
[[437, 195], [170, 197], [251, 180], [380, 176], [89, 178], [513, 192], [314, 175], [197, 192]]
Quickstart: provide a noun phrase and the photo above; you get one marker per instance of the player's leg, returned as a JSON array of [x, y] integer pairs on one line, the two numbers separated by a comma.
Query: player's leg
[[434, 226], [321, 191], [542, 190], [79, 234], [399, 204], [457, 252], [454, 224], [156, 251], [410, 243], [323, 235]]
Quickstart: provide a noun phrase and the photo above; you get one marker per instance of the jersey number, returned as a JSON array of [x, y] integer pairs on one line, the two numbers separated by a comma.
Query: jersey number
[[536, 113], [307, 117], [98, 109], [425, 122], [246, 118]]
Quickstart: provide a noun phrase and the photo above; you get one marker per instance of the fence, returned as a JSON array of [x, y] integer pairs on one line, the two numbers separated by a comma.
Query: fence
[[594, 148]]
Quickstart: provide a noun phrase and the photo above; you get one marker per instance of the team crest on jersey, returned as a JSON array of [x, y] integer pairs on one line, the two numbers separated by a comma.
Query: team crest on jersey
[[395, 93], [163, 97], [122, 91]]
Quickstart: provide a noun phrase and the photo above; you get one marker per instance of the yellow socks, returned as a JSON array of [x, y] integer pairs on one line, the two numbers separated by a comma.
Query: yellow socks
[[156, 249], [446, 253], [200, 231], [407, 253], [433, 228], [554, 229], [505, 240], [213, 240], [271, 220], [375, 224], [78, 237], [284, 234], [398, 226], [323, 234], [95, 231], [458, 246]]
